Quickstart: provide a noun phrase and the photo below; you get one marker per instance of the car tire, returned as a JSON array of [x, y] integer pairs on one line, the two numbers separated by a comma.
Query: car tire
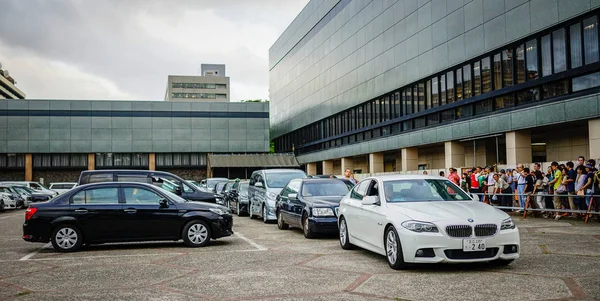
[[2, 206], [237, 211], [343, 234], [250, 211], [501, 262], [264, 214], [280, 223], [196, 234], [393, 249], [308, 233], [67, 238]]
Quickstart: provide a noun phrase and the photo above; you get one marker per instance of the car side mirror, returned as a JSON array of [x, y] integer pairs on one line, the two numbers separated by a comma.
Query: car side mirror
[[370, 200], [164, 203], [258, 184], [178, 191], [293, 196]]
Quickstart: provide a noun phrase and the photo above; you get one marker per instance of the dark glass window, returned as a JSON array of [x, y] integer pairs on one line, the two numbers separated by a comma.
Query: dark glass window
[[507, 67], [415, 98], [546, 56], [385, 108], [428, 93], [575, 44], [504, 102], [483, 107], [419, 122], [368, 114], [476, 78], [448, 115], [397, 108], [433, 119], [520, 64], [434, 92], [559, 50], [528, 96], [376, 111], [586, 82], [450, 85], [464, 111], [497, 71], [532, 60], [407, 125], [443, 90], [421, 91], [486, 75], [467, 80], [590, 38], [360, 117], [554, 89], [459, 89], [406, 101]]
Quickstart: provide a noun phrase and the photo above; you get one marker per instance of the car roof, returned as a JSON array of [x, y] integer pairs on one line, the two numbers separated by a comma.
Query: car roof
[[406, 177], [281, 170], [319, 179], [73, 183], [100, 184]]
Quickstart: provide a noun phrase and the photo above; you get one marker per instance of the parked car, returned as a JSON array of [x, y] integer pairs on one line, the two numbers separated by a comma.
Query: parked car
[[20, 200], [124, 211], [158, 178], [323, 176], [424, 219], [193, 183], [264, 187], [218, 192], [33, 185], [7, 201], [62, 187], [237, 199], [31, 195], [311, 204], [208, 185]]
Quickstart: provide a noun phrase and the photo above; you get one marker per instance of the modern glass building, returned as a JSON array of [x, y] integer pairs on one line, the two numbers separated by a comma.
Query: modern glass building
[[403, 85]]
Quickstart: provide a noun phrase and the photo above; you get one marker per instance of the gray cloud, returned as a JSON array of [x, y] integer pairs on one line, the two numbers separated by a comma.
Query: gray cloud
[[135, 44]]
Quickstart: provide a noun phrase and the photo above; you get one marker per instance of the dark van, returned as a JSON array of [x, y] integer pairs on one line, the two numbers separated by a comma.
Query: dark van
[[165, 180]]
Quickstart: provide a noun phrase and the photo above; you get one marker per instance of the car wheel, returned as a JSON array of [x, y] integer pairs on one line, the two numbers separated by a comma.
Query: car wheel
[[196, 234], [393, 249], [1, 205], [250, 210], [502, 262], [264, 214], [280, 223], [344, 237], [306, 229], [67, 238]]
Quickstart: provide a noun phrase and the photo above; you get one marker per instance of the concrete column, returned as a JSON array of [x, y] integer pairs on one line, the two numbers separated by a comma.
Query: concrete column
[[311, 168], [346, 164], [594, 136], [455, 154], [28, 167], [376, 163], [152, 161], [410, 159], [328, 167], [91, 161], [398, 161], [518, 148]]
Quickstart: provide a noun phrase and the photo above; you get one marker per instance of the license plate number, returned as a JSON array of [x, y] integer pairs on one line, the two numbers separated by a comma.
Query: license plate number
[[473, 245]]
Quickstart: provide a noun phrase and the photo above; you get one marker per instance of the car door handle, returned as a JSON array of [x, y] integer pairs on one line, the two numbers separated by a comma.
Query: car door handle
[[130, 210], [81, 211]]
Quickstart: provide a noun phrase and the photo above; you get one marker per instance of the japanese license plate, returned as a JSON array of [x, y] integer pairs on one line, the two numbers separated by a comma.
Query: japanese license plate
[[473, 245]]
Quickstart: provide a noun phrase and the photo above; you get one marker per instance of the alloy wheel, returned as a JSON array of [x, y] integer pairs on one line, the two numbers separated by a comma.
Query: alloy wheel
[[197, 233], [391, 247], [264, 213], [343, 232], [66, 238]]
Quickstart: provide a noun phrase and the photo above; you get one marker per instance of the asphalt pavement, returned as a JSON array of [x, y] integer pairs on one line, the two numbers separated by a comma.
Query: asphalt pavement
[[560, 260]]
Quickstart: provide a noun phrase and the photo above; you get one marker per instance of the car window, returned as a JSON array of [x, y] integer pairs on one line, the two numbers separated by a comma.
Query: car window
[[5, 189], [419, 190], [96, 196], [360, 190], [280, 179], [373, 189], [133, 178], [100, 177], [329, 188], [35, 186], [134, 195]]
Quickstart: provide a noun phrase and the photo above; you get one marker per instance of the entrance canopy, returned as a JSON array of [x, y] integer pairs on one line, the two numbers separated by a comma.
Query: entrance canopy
[[255, 160]]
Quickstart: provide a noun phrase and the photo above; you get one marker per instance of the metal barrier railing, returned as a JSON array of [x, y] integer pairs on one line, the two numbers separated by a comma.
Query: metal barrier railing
[[530, 202]]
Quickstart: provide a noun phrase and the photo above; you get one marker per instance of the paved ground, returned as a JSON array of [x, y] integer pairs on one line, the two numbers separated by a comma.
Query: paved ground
[[559, 260]]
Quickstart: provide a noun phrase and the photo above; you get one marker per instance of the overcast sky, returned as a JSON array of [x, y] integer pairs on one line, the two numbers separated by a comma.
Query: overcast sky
[[124, 49]]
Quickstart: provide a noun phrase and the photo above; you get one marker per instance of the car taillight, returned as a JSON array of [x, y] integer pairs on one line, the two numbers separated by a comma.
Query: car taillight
[[30, 212]]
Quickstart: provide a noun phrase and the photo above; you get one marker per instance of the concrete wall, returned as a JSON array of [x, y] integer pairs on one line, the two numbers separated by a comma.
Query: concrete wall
[[434, 157], [567, 146]]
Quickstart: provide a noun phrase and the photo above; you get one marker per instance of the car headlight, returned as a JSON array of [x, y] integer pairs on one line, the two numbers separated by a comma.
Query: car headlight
[[322, 212], [420, 227], [217, 211], [507, 224]]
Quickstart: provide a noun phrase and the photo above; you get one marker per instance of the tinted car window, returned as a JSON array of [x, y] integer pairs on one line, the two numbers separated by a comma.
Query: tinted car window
[[337, 188], [280, 179], [99, 178], [97, 196], [141, 196], [133, 178], [360, 190]]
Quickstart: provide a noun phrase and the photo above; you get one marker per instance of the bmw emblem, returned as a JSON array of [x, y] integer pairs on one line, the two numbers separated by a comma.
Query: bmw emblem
[[470, 220]]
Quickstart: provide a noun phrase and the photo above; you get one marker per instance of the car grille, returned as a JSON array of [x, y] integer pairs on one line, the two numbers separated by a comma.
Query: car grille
[[460, 254], [485, 230], [459, 231]]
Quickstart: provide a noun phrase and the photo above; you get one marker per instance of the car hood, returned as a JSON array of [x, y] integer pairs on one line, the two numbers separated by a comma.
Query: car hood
[[447, 210], [324, 201]]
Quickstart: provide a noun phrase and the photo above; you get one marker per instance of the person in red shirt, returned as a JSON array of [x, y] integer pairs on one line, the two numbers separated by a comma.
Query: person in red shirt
[[473, 174], [454, 177]]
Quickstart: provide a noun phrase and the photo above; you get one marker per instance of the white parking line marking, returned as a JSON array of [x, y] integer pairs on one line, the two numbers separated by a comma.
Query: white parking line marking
[[20, 214], [252, 243], [26, 257]]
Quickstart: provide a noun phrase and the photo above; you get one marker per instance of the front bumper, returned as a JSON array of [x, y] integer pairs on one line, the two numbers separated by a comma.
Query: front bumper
[[450, 249], [325, 225], [222, 227], [10, 204]]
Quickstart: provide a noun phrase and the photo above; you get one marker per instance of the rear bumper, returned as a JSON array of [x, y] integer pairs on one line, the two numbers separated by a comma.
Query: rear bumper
[[325, 225], [32, 233]]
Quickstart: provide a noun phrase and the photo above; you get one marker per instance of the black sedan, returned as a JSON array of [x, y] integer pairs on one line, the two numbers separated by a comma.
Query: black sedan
[[121, 211], [237, 198], [310, 204]]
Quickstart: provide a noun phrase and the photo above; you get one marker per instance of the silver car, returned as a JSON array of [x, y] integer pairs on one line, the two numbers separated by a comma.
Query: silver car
[[264, 187]]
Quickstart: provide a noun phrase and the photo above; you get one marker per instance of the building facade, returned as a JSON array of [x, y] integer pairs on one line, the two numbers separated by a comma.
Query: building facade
[[56, 139], [211, 86], [8, 89], [404, 85]]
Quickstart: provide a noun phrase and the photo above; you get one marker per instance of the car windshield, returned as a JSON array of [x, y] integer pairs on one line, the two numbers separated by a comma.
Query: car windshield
[[212, 182], [24, 189], [329, 188], [422, 190], [280, 179], [195, 183]]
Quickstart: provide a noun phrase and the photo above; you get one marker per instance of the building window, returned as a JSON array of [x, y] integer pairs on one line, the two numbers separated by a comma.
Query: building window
[[416, 98], [590, 38], [443, 90], [450, 85], [467, 80], [575, 44], [555, 89], [220, 86], [407, 125], [483, 107], [520, 64], [428, 93], [12, 160], [195, 95], [586, 82], [476, 78], [507, 67], [434, 92], [459, 88], [532, 60], [421, 91], [406, 105], [497, 71], [220, 96], [420, 122], [433, 119], [559, 50], [121, 160], [486, 75], [385, 108], [464, 111], [368, 114], [546, 56], [194, 85], [448, 115], [528, 96], [504, 102]]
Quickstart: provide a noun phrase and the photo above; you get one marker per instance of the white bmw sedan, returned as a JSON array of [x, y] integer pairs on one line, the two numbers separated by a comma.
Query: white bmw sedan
[[424, 219]]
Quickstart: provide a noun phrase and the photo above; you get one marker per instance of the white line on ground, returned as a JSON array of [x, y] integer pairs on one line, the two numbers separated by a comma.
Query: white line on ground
[[20, 214], [26, 257], [259, 247]]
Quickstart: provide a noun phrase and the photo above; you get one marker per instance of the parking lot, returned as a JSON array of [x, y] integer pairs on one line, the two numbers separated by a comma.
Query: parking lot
[[559, 260]]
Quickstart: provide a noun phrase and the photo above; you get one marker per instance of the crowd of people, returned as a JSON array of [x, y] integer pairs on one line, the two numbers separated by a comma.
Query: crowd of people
[[561, 186]]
